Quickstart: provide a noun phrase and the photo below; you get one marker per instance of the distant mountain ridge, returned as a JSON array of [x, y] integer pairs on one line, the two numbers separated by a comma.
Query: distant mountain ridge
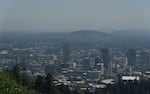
[[87, 35], [132, 33], [90, 37], [88, 32]]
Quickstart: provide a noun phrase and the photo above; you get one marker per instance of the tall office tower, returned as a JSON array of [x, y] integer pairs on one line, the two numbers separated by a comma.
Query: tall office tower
[[106, 58], [144, 58], [131, 56], [97, 60], [66, 52], [100, 67]]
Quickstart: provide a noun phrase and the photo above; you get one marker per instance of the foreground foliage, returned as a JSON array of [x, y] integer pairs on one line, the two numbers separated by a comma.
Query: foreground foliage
[[9, 86]]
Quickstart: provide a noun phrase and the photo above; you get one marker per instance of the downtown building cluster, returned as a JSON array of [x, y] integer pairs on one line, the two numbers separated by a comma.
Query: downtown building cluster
[[79, 68]]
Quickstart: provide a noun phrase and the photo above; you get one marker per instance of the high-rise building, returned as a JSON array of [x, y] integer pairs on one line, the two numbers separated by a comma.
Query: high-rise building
[[131, 56], [100, 67], [106, 57], [97, 60], [144, 58], [66, 52]]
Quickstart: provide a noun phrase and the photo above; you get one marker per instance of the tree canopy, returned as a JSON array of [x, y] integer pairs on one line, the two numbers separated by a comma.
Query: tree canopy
[[9, 86]]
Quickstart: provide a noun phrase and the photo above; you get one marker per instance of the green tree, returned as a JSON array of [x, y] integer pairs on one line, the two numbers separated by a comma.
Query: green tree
[[39, 84], [49, 87], [9, 86], [16, 73]]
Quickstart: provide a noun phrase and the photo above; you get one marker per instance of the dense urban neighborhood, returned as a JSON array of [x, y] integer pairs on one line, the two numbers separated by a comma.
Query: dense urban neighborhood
[[81, 69]]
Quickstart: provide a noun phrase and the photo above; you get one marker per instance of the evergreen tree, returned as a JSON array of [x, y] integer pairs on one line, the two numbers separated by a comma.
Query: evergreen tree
[[16, 73], [9, 86]]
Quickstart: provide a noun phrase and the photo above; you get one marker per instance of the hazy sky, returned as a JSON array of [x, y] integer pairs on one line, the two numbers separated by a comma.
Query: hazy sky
[[71, 15]]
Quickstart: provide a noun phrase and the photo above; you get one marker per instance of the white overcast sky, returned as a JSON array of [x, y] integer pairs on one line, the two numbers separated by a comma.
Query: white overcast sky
[[71, 15]]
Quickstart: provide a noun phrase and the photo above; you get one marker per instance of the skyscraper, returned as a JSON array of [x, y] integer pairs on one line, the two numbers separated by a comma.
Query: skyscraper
[[106, 57], [97, 60], [144, 58], [131, 56], [66, 52]]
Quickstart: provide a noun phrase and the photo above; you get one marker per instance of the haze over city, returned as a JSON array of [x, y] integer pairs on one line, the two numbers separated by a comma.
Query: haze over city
[[72, 15], [74, 47]]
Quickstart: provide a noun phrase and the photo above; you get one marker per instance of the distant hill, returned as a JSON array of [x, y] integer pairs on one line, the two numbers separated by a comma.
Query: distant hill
[[88, 32], [87, 35], [125, 38], [132, 33]]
